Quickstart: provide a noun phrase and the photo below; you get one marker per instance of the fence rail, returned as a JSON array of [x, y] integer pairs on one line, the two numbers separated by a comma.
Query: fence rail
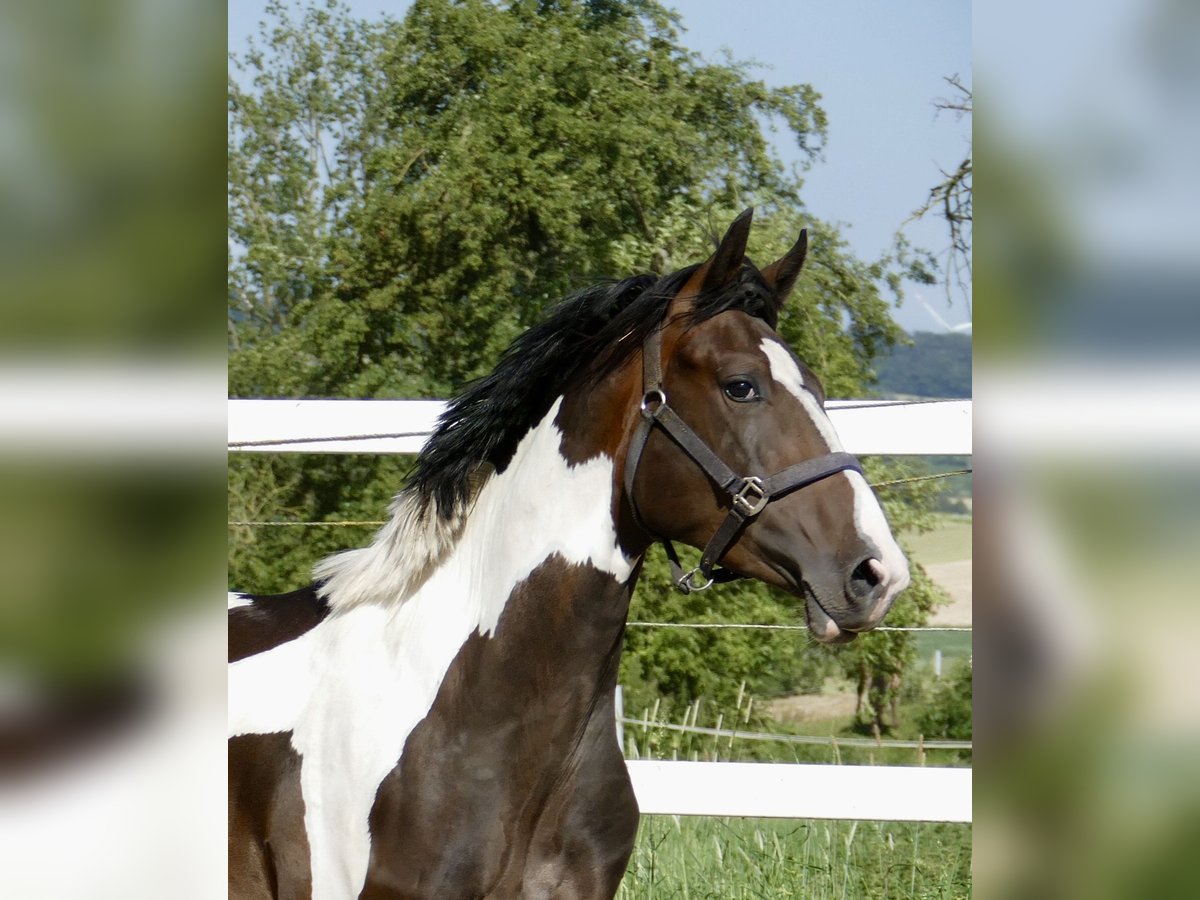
[[897, 428], [891, 793], [802, 791]]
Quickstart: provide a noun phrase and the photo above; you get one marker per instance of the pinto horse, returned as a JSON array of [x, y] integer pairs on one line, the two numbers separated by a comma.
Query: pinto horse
[[433, 716]]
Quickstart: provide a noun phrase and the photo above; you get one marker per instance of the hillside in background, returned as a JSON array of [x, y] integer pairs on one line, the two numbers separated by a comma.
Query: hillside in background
[[934, 365]]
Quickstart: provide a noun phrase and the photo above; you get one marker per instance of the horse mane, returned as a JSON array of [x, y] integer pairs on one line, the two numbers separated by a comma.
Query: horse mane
[[584, 338]]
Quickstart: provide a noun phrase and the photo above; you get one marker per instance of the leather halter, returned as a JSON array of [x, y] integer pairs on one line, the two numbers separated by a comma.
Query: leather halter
[[748, 495]]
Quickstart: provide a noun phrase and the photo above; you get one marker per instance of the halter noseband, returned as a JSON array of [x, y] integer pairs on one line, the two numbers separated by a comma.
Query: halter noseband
[[748, 495]]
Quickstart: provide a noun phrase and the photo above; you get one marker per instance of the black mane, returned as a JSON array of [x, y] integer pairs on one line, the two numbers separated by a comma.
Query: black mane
[[587, 335]]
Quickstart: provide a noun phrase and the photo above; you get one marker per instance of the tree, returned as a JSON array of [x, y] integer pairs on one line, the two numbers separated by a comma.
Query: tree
[[948, 713], [300, 133], [429, 186], [951, 199]]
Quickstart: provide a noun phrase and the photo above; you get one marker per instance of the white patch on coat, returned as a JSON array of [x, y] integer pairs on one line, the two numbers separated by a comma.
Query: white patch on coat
[[236, 600], [868, 514], [353, 688]]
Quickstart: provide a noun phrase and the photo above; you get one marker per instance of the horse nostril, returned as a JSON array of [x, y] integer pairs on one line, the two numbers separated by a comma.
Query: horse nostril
[[867, 577]]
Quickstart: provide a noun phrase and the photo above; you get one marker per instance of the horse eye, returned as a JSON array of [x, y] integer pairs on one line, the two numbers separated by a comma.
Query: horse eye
[[741, 390]]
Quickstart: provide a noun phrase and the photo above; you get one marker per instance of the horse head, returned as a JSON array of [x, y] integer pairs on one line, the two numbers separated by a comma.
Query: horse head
[[730, 450]]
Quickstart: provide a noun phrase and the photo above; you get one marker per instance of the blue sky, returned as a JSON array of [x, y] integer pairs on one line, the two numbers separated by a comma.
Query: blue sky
[[879, 66]]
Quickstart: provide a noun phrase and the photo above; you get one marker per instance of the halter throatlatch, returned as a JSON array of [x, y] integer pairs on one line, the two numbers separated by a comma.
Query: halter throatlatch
[[748, 495]]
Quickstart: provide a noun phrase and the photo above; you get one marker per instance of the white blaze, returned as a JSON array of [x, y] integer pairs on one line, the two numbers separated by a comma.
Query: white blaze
[[868, 514], [787, 374]]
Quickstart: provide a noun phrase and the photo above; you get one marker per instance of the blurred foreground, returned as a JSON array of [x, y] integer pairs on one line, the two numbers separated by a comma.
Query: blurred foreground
[[1087, 286], [112, 686]]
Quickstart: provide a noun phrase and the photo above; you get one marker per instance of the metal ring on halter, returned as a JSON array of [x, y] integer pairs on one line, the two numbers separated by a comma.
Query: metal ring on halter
[[657, 396], [686, 584]]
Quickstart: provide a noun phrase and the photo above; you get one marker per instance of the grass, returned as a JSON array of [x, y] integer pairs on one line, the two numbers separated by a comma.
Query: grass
[[679, 857], [706, 857]]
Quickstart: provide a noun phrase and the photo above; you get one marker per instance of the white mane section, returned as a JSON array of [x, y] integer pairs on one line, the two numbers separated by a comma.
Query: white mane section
[[401, 555]]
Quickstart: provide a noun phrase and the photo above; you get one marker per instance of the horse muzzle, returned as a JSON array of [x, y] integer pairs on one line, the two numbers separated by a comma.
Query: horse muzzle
[[836, 614]]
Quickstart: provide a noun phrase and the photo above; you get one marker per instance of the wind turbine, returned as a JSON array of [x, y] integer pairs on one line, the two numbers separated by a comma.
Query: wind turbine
[[956, 329]]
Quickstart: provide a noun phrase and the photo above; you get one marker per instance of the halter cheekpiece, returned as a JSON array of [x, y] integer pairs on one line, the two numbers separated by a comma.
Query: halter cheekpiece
[[748, 495]]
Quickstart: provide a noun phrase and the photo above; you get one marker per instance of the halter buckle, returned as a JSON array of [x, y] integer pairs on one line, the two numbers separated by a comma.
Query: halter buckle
[[687, 584], [657, 397], [750, 498]]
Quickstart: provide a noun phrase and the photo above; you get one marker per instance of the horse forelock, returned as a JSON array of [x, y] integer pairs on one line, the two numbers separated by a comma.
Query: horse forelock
[[748, 293]]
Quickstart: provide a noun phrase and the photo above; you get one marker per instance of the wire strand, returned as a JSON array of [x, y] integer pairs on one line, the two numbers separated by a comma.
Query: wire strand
[[915, 478], [272, 442], [756, 626], [801, 738], [338, 523], [884, 404]]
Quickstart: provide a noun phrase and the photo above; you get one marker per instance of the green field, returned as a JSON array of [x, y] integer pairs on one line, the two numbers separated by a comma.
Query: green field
[[954, 645], [950, 541], [682, 857]]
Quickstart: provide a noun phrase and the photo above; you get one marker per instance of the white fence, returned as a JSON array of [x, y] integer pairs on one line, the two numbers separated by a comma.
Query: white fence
[[920, 428], [894, 793], [795, 791]]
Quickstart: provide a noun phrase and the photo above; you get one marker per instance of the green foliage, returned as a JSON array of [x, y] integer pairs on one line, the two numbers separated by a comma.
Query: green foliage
[[303, 488], [947, 714], [411, 195], [676, 666], [955, 491], [878, 661], [299, 137]]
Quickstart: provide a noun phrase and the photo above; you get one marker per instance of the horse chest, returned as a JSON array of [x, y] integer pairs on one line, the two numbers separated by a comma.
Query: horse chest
[[431, 753], [494, 811]]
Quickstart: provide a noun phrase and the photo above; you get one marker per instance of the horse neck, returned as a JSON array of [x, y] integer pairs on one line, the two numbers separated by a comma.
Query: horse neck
[[548, 509]]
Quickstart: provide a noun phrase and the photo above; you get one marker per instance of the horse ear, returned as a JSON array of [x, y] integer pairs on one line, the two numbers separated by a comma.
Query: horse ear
[[781, 274], [725, 264]]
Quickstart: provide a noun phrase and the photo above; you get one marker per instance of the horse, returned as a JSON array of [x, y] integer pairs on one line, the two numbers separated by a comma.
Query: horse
[[433, 716]]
